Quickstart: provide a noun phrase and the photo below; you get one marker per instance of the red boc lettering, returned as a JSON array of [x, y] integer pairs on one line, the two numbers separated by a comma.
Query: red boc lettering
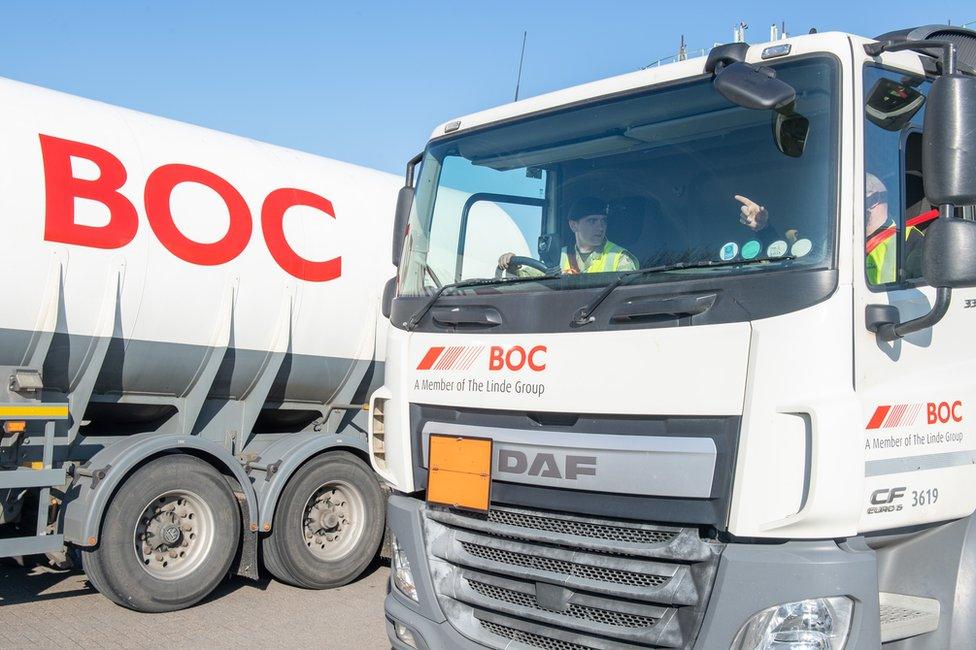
[[533, 364], [272, 217], [62, 188], [495, 359], [943, 412], [516, 358], [515, 365], [159, 187]]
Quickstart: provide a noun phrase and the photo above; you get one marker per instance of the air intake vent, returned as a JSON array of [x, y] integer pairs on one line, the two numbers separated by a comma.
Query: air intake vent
[[530, 639], [377, 433], [594, 614], [553, 580], [542, 563]]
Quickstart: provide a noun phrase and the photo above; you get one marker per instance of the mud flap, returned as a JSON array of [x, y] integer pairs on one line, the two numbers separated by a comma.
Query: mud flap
[[246, 563]]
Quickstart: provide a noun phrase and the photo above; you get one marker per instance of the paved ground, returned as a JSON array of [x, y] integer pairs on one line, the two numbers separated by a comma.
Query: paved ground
[[42, 608]]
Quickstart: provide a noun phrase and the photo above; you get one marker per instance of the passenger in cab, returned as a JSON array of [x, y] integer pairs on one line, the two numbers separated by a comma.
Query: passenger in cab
[[880, 229]]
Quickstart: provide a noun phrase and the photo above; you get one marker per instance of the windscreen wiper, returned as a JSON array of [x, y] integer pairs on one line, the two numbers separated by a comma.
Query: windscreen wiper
[[584, 315], [414, 320]]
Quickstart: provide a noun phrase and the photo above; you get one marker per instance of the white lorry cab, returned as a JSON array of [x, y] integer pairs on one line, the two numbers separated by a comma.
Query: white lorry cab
[[726, 398]]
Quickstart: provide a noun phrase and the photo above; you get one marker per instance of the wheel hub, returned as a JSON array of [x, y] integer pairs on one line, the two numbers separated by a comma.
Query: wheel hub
[[173, 535], [332, 520]]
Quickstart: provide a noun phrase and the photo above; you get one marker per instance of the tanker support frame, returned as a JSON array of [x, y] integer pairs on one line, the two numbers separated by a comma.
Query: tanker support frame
[[192, 508]]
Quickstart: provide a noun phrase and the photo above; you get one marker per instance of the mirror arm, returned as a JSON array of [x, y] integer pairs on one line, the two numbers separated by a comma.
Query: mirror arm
[[948, 57], [894, 331], [411, 165]]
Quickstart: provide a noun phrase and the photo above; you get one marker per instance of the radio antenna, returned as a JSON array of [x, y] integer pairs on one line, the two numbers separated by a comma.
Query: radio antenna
[[518, 80]]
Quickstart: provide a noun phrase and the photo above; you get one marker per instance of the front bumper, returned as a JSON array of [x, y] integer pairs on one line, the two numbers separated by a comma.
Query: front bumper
[[749, 578], [429, 634]]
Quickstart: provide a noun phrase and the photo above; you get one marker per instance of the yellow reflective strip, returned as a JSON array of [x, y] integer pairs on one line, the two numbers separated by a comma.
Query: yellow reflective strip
[[33, 411]]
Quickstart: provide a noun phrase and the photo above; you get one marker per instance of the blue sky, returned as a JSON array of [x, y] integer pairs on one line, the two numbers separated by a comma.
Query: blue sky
[[366, 82]]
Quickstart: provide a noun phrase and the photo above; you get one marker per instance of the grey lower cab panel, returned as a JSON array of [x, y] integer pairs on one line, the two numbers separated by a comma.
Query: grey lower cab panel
[[496, 599], [636, 585], [936, 562], [753, 577], [649, 465], [674, 469]]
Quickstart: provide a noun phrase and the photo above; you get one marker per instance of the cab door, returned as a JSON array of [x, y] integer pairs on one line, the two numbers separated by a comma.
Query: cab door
[[918, 393]]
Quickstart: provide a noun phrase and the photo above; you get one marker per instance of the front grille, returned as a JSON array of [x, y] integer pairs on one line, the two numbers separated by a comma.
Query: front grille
[[551, 565], [550, 580], [581, 528], [528, 638], [595, 614]]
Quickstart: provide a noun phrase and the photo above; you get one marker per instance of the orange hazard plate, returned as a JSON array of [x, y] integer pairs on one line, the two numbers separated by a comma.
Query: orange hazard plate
[[460, 472]]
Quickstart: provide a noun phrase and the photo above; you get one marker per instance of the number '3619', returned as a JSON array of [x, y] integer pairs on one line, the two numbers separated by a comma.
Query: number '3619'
[[924, 497]]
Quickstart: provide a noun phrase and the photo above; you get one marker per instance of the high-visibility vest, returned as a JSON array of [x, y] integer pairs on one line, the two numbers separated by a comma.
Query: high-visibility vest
[[881, 249], [880, 261], [608, 259]]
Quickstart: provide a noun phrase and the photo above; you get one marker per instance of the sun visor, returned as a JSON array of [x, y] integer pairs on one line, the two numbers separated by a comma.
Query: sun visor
[[572, 151]]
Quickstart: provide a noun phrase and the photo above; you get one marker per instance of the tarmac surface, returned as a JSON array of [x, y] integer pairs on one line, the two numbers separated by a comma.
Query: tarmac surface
[[44, 608]]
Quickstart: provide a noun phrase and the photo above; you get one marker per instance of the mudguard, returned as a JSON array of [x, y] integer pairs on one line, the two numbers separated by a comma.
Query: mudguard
[[92, 488], [282, 458]]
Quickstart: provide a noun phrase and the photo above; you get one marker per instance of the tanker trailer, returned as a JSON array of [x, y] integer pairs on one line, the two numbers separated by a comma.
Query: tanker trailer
[[191, 325]]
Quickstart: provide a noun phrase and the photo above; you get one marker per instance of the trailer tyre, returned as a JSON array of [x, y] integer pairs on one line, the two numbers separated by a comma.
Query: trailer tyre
[[168, 537], [328, 524]]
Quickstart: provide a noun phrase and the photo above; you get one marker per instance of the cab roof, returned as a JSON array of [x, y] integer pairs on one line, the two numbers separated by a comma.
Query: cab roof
[[837, 42], [827, 41]]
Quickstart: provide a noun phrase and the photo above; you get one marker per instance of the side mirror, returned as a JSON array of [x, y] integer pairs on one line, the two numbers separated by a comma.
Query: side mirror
[[752, 87], [550, 249], [949, 254], [403, 206], [949, 142], [404, 203], [389, 291]]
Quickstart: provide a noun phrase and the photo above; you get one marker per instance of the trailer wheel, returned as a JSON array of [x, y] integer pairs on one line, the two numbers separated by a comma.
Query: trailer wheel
[[168, 537], [328, 524]]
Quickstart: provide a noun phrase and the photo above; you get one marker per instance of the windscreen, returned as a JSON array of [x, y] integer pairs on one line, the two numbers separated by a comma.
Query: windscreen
[[670, 177]]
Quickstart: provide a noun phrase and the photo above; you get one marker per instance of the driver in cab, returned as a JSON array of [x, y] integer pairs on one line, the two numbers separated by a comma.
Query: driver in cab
[[592, 252]]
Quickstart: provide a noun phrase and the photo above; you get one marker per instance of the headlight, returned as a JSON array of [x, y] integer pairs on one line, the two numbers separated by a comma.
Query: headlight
[[812, 624], [402, 575]]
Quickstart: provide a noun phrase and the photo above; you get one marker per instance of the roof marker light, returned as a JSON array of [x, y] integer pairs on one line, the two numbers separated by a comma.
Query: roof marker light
[[776, 50]]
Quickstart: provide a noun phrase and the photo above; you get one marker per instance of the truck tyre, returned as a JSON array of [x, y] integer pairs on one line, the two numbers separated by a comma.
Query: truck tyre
[[168, 537], [328, 523]]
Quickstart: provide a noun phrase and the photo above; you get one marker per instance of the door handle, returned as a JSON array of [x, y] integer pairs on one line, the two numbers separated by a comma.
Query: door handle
[[645, 309], [467, 315]]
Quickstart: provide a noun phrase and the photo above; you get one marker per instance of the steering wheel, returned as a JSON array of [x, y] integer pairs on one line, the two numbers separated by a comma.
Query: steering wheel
[[517, 261]]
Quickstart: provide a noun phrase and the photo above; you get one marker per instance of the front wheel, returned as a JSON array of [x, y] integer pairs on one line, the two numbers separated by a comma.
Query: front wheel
[[328, 524], [168, 538]]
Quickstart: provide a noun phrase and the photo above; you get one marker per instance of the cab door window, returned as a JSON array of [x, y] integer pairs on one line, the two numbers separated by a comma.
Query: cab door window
[[896, 213]]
